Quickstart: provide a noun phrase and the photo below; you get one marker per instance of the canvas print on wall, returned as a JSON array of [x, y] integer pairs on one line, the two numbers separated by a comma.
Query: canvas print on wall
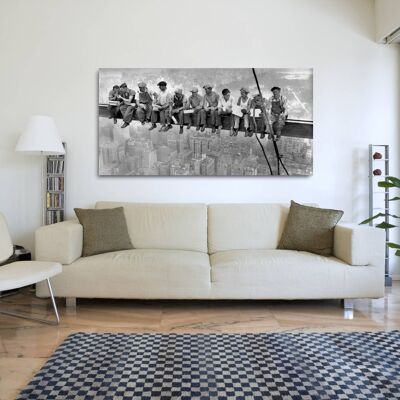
[[205, 122]]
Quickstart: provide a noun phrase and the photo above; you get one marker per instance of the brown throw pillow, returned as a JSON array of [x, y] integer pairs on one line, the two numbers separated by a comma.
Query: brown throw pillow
[[103, 230], [310, 229]]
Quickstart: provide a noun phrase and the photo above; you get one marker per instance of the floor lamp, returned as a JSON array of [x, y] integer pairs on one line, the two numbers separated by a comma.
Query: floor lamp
[[40, 137]]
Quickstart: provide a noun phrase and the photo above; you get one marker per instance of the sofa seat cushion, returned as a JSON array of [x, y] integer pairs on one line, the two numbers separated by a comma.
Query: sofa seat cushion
[[137, 273], [288, 274]]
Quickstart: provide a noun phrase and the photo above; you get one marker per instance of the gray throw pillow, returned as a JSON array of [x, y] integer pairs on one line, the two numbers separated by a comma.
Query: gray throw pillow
[[310, 229], [103, 230]]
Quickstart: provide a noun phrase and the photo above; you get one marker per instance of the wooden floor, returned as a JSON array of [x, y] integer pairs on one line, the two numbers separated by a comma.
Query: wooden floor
[[25, 346]]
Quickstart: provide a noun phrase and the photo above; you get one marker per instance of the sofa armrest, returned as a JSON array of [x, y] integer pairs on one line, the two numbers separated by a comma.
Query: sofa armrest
[[359, 244], [61, 242]]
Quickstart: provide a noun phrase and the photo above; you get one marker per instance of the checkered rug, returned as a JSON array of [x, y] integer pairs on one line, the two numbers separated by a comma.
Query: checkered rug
[[219, 366]]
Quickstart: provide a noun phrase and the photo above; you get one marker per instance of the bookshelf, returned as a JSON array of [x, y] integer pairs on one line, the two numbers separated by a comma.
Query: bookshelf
[[54, 207]]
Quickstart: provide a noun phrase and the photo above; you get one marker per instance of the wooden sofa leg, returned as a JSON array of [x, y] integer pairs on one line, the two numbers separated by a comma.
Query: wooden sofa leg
[[70, 302]]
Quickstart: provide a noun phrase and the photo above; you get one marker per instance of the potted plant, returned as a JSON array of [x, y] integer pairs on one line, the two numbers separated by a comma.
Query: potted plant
[[389, 182]]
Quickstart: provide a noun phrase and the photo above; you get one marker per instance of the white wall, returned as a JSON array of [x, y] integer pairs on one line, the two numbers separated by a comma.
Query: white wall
[[387, 17], [51, 51]]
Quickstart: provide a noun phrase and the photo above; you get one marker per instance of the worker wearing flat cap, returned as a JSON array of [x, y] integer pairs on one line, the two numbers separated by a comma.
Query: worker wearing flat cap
[[244, 104], [210, 108], [113, 106], [225, 105], [144, 104], [278, 111], [161, 108], [128, 105], [177, 107], [259, 103], [195, 103]]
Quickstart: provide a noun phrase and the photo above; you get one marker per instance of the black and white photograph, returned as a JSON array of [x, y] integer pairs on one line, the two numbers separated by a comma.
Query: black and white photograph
[[205, 122]]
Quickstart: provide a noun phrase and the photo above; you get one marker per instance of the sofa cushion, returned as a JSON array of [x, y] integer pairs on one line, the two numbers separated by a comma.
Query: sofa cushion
[[135, 273], [103, 230], [245, 226], [165, 226], [310, 229], [287, 274]]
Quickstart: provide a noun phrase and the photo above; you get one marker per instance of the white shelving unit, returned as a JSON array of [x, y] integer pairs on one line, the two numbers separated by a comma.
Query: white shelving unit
[[54, 197], [379, 197]]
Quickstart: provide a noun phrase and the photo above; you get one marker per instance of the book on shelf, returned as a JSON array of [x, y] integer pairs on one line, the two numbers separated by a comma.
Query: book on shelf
[[55, 200], [54, 216], [55, 183], [55, 166]]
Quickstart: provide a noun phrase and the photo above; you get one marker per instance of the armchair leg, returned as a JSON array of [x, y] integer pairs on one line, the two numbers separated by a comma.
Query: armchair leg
[[53, 301], [44, 321]]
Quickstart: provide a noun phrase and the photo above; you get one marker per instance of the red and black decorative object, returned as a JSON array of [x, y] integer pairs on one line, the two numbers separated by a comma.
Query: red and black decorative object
[[377, 156], [377, 172]]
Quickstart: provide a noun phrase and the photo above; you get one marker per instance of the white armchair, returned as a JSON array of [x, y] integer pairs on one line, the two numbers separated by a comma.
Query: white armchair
[[23, 273]]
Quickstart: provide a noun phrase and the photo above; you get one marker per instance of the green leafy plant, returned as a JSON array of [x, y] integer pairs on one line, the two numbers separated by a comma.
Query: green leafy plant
[[389, 182]]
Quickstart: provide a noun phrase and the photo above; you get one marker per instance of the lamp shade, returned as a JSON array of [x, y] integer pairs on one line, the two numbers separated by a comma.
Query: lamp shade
[[40, 136]]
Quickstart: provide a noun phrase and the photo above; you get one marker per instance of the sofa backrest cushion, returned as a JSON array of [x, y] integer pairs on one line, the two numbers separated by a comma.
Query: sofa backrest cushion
[[245, 226], [164, 225]]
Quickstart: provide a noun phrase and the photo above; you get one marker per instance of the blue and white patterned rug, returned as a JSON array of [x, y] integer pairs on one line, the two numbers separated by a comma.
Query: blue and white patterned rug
[[220, 366]]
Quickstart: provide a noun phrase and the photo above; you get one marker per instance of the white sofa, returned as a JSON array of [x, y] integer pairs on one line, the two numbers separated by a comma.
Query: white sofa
[[219, 251]]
